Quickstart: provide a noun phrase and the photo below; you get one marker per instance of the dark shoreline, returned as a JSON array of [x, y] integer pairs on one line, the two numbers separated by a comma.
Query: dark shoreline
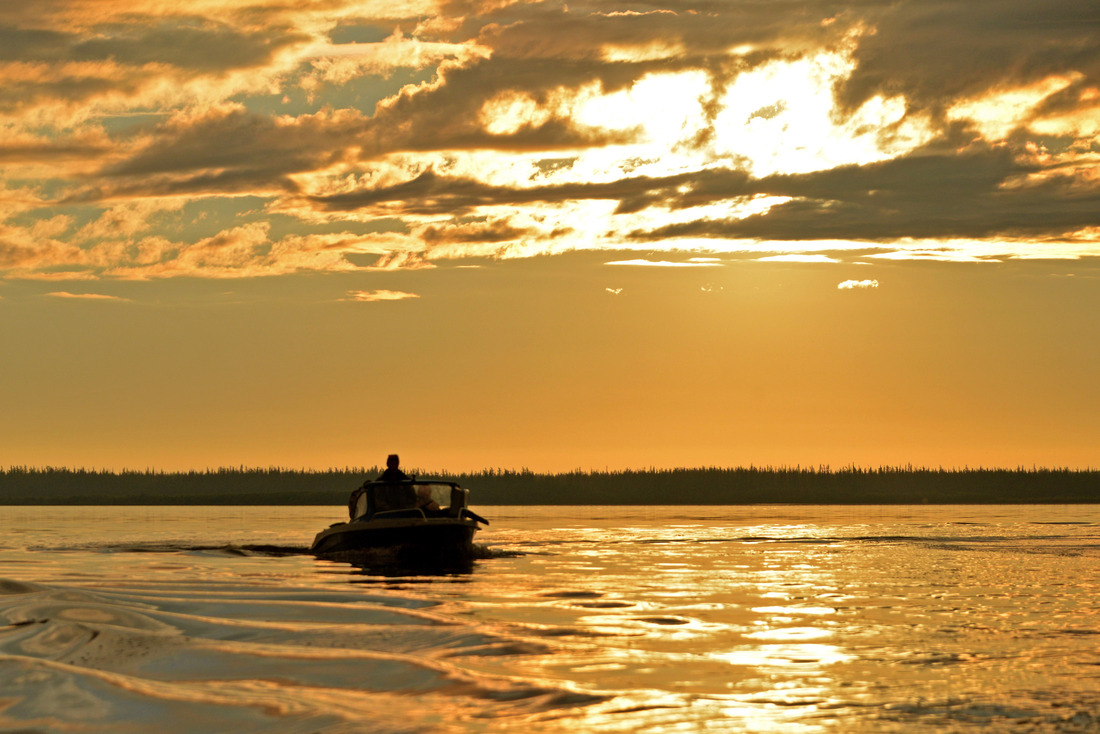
[[706, 486]]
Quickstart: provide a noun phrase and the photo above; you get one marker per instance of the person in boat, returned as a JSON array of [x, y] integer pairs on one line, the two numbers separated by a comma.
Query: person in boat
[[424, 499], [393, 471]]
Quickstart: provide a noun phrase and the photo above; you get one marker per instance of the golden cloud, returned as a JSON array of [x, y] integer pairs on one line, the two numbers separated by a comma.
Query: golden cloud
[[87, 296], [379, 295], [849, 285]]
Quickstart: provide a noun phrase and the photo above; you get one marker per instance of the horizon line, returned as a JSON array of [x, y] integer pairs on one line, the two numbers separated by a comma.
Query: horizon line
[[808, 468]]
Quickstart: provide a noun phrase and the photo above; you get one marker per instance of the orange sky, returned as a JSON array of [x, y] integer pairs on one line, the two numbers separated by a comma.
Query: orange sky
[[549, 235]]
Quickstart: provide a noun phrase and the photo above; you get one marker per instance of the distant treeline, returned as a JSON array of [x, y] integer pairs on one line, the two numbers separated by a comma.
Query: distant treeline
[[708, 486]]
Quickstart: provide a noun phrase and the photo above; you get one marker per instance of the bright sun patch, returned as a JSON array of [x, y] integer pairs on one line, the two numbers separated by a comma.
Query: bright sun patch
[[666, 107], [783, 118]]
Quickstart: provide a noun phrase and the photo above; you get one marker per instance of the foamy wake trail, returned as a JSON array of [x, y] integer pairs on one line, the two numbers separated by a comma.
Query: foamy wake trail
[[253, 660]]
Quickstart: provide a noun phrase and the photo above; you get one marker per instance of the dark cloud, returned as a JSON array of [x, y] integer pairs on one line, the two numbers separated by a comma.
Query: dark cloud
[[937, 51], [13, 256], [50, 151], [197, 46], [933, 52], [434, 194], [17, 95], [932, 195], [225, 139], [449, 116], [580, 31], [225, 151], [482, 231], [16, 255], [116, 61], [230, 149], [33, 44], [191, 44], [922, 196]]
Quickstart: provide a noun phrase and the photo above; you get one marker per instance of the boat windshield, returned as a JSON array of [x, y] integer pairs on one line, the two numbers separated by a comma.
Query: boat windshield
[[440, 494], [428, 496]]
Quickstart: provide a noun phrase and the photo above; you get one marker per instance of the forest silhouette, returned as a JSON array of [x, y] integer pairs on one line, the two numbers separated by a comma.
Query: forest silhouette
[[703, 486]]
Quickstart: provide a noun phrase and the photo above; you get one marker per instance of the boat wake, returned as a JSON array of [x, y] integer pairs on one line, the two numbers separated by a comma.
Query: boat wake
[[252, 660], [479, 551]]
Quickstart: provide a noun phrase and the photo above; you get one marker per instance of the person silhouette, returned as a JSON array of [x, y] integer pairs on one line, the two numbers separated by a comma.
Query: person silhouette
[[393, 471], [393, 474]]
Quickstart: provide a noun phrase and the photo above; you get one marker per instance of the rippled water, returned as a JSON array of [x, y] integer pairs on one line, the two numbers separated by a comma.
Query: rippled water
[[593, 619]]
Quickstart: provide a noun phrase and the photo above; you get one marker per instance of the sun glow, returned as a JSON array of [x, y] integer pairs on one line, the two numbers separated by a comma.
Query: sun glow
[[666, 108], [783, 118]]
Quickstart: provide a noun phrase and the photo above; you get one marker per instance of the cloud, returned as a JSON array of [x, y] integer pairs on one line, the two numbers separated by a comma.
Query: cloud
[[432, 193], [514, 129], [237, 252], [26, 149], [379, 295], [67, 68], [798, 258], [943, 254], [88, 296], [641, 262], [225, 149], [857, 284], [482, 231], [20, 253], [247, 251], [916, 49], [979, 194], [345, 62]]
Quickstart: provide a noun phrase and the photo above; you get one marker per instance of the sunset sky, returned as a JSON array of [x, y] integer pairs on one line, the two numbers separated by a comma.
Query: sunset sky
[[549, 235]]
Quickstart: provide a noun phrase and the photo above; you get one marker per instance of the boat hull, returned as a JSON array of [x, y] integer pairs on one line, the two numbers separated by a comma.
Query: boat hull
[[431, 537]]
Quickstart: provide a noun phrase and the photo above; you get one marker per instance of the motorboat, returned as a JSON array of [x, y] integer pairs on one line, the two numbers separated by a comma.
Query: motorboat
[[409, 520]]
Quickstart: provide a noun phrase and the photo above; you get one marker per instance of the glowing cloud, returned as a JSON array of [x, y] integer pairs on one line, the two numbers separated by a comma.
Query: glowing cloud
[[999, 112], [379, 295], [799, 258], [88, 296], [663, 263], [857, 284], [782, 118]]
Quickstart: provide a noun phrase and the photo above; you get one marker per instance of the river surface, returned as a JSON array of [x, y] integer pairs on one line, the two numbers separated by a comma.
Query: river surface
[[573, 619]]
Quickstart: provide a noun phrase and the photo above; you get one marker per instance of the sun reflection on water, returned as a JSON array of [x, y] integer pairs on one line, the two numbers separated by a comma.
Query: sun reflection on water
[[734, 628]]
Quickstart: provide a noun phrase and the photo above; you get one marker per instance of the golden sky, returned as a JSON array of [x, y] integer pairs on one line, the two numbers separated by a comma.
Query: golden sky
[[549, 235]]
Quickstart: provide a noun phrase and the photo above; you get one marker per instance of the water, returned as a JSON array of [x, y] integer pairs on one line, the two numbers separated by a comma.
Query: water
[[576, 619]]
